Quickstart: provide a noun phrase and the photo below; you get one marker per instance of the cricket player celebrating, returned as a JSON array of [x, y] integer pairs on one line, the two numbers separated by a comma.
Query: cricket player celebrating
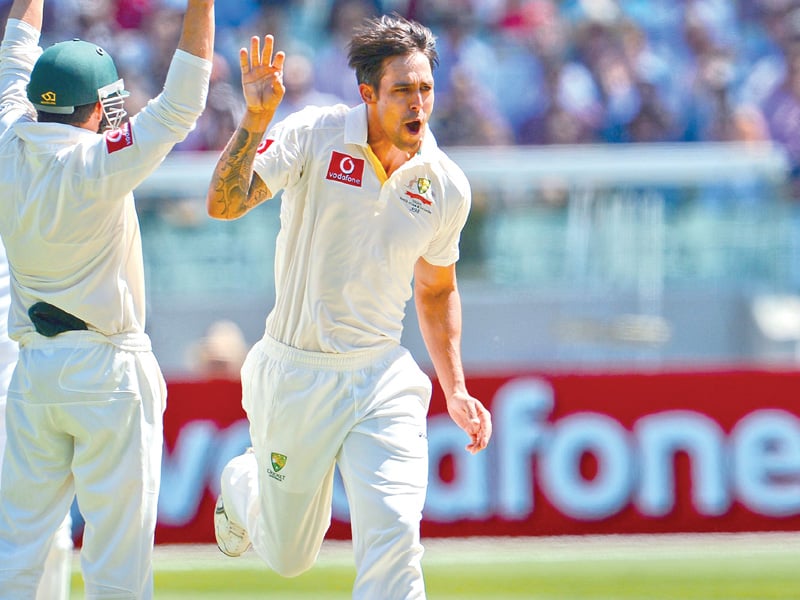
[[86, 400], [369, 203]]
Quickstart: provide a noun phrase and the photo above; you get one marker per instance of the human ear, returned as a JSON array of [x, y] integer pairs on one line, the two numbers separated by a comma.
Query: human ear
[[368, 95]]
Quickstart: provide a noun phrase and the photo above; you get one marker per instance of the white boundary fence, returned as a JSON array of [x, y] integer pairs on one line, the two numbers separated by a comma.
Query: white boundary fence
[[579, 251]]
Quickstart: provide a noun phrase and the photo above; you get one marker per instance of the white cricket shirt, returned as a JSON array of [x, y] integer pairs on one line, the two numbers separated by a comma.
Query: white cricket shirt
[[67, 215], [350, 237]]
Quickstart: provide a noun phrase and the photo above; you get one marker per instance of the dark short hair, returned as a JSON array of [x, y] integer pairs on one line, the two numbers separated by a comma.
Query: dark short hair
[[79, 116], [387, 36]]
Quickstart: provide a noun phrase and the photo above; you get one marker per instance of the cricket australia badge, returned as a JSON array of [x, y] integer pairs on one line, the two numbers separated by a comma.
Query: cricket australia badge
[[417, 197], [278, 461], [423, 185]]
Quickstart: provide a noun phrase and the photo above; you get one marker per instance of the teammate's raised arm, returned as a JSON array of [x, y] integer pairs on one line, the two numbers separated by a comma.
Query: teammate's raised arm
[[29, 11], [197, 35], [234, 188]]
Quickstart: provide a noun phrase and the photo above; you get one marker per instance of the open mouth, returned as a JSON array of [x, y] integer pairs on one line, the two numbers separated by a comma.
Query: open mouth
[[414, 127]]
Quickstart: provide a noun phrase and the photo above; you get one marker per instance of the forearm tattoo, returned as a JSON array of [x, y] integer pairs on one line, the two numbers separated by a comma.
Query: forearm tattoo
[[238, 189], [258, 192]]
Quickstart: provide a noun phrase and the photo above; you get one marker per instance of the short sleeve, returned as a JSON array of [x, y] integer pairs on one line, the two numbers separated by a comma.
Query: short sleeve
[[444, 248], [280, 156]]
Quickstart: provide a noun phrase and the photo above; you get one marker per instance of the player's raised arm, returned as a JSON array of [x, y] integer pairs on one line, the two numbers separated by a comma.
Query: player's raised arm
[[234, 188], [197, 35], [29, 11]]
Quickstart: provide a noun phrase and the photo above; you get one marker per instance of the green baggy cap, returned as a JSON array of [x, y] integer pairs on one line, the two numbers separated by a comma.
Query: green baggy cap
[[69, 74]]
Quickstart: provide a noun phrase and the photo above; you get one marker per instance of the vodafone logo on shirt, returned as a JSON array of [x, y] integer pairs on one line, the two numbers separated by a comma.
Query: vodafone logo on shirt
[[119, 138], [345, 169], [264, 145]]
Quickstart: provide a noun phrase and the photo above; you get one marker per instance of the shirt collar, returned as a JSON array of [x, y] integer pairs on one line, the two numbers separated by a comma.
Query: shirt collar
[[59, 134]]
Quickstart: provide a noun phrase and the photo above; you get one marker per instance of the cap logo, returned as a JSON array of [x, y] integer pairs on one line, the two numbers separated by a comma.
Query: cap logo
[[49, 98]]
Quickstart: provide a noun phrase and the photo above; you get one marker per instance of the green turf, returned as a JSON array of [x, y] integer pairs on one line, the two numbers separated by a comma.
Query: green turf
[[570, 570]]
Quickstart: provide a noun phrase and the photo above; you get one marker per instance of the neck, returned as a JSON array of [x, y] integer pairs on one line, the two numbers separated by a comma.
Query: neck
[[391, 157]]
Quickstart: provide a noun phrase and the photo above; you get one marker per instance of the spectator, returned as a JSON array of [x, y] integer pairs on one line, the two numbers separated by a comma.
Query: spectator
[[220, 353], [782, 109], [332, 73], [223, 110], [532, 51], [301, 90], [573, 111], [583, 71], [468, 115]]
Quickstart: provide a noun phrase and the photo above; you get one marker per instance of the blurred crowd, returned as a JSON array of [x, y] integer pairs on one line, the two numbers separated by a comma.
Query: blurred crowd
[[511, 71]]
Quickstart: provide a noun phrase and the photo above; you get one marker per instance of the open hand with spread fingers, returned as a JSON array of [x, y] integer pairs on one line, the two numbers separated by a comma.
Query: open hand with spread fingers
[[262, 75]]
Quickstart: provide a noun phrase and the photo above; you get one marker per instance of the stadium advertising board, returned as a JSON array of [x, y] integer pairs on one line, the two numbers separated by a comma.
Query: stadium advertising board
[[571, 454]]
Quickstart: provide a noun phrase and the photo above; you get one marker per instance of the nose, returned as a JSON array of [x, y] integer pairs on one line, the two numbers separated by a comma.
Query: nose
[[416, 101]]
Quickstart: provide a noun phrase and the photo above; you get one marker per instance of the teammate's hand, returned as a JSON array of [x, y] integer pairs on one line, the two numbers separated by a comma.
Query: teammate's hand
[[262, 75], [470, 414]]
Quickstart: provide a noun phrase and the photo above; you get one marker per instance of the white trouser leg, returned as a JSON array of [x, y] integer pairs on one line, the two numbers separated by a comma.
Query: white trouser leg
[[286, 530], [55, 582], [286, 510], [306, 411], [35, 494], [83, 418], [384, 466], [117, 550]]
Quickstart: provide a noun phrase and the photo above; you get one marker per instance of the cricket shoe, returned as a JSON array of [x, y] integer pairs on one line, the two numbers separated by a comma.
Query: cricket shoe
[[232, 539]]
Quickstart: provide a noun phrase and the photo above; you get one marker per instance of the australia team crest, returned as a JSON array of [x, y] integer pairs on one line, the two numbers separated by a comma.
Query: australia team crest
[[278, 462], [416, 195]]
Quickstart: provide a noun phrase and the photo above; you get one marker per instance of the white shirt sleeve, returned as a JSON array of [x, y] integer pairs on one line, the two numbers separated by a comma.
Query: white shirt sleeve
[[444, 247], [18, 54]]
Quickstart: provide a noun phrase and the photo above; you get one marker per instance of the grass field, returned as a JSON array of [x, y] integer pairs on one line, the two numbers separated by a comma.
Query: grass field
[[718, 567]]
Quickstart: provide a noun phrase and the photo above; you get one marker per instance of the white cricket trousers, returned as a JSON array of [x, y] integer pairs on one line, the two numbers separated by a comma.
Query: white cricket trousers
[[84, 418], [55, 581], [365, 411]]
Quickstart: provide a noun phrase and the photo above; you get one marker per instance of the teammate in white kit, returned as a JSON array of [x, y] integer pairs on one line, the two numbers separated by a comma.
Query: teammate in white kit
[[55, 581], [369, 204], [86, 400]]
